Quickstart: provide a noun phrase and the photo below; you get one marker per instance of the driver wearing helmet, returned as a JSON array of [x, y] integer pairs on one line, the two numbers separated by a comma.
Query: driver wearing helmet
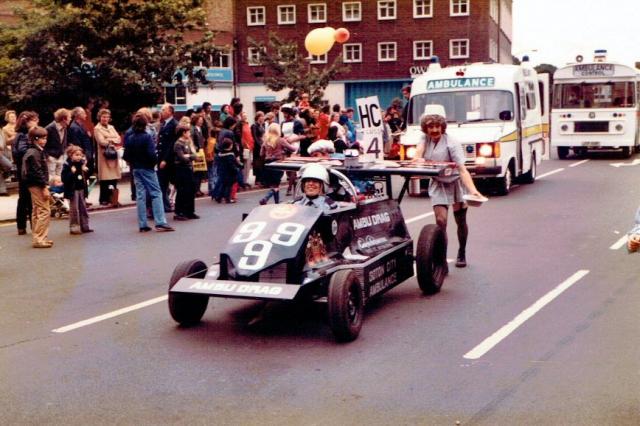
[[314, 179], [446, 191]]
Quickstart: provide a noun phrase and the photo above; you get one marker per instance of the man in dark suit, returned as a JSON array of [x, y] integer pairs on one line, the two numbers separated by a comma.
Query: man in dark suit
[[77, 135], [57, 141], [166, 140]]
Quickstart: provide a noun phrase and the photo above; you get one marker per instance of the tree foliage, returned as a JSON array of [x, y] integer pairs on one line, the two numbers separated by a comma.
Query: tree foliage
[[62, 53], [283, 66]]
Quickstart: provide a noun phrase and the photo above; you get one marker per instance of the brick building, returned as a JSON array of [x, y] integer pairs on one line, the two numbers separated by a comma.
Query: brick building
[[391, 40]]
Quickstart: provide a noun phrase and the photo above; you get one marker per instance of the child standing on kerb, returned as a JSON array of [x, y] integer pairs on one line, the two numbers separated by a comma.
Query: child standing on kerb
[[74, 176]]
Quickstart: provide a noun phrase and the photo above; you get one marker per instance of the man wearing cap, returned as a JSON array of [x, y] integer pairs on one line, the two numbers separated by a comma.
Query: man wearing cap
[[446, 191]]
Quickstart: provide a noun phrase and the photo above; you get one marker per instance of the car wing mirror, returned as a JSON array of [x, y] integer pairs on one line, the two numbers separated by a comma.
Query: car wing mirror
[[506, 115]]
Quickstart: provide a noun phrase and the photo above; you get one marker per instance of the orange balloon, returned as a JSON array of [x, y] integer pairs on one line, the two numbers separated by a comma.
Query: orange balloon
[[342, 35]]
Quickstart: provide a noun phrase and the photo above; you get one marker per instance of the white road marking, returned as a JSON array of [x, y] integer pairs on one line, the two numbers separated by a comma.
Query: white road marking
[[417, 218], [578, 163], [108, 315], [619, 244], [552, 172], [633, 163], [512, 325]]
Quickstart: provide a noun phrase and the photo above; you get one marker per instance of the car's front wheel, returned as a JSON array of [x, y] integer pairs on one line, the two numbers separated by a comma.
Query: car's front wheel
[[431, 259], [187, 309], [346, 305]]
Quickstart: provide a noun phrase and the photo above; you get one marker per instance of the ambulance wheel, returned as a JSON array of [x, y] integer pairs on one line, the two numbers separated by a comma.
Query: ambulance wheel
[[626, 151], [563, 152], [187, 309], [530, 176], [431, 259], [505, 182], [346, 305]]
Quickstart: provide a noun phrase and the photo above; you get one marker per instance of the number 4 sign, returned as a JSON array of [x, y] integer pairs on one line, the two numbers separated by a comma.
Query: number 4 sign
[[372, 125]]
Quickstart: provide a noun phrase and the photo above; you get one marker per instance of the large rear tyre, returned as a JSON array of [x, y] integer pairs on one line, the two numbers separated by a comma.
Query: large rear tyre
[[563, 152], [187, 309], [431, 259], [346, 305]]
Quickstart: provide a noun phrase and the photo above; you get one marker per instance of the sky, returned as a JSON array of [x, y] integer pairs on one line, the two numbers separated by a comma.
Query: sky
[[556, 31]]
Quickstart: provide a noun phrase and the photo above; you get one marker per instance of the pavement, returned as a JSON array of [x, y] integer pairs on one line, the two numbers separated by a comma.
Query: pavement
[[8, 204]]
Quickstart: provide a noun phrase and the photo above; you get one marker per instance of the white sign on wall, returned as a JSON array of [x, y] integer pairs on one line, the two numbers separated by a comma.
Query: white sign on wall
[[372, 126]]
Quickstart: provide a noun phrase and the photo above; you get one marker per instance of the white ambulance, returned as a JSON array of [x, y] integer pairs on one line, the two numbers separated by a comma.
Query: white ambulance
[[499, 113], [595, 106]]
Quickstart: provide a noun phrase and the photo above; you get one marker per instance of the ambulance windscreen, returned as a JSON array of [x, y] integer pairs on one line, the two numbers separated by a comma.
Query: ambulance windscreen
[[464, 106]]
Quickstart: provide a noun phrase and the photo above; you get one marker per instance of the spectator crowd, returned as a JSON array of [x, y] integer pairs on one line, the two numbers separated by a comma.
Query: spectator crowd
[[169, 158]]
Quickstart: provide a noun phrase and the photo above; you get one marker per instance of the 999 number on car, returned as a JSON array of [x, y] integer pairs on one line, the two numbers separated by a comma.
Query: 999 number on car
[[256, 252]]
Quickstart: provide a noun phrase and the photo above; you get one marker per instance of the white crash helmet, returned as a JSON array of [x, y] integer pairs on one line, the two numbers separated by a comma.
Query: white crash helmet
[[315, 171]]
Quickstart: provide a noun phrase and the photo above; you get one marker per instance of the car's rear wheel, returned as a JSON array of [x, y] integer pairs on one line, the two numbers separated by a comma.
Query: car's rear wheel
[[187, 309], [346, 305], [431, 259]]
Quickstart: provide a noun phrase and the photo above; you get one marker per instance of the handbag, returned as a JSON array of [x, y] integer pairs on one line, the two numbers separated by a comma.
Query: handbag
[[110, 152]]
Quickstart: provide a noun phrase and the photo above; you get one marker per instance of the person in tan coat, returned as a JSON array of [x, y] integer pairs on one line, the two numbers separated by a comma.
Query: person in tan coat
[[108, 169]]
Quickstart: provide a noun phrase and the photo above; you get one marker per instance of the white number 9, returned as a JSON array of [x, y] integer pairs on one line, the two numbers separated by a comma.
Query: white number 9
[[248, 231], [292, 231], [261, 254]]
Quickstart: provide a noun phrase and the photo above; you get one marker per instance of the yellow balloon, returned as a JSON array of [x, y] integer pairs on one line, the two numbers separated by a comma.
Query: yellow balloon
[[319, 41]]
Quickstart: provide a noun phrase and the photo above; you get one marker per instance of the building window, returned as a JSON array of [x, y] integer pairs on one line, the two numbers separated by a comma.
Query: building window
[[459, 48], [352, 11], [253, 57], [493, 50], [494, 10], [422, 49], [352, 52], [387, 51], [220, 59], [422, 8], [317, 13], [175, 95], [286, 15], [459, 7], [256, 15], [318, 59], [386, 9]]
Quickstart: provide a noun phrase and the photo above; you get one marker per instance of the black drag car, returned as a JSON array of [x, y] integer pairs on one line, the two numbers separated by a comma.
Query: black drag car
[[358, 250]]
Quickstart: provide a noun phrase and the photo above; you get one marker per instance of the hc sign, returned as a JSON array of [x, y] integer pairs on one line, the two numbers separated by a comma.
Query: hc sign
[[369, 111], [371, 122]]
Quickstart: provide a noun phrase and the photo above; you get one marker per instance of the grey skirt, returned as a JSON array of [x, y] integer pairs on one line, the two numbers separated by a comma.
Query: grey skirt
[[443, 193]]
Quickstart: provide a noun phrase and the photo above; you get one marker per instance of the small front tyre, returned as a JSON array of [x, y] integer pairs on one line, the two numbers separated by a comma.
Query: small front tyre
[[346, 305], [187, 309], [431, 259]]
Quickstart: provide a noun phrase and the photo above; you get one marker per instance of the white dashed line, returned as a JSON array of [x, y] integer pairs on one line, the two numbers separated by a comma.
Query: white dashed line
[[512, 325], [109, 315], [578, 163], [417, 218], [619, 244], [552, 172]]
